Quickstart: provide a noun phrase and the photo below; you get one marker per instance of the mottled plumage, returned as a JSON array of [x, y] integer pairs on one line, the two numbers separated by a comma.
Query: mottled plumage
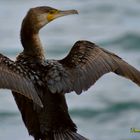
[[45, 82], [17, 78]]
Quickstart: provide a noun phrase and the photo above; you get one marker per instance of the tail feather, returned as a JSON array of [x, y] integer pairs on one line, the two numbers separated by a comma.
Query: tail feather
[[68, 135], [59, 136]]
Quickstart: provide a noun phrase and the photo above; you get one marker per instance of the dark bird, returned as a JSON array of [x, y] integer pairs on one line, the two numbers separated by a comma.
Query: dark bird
[[39, 85]]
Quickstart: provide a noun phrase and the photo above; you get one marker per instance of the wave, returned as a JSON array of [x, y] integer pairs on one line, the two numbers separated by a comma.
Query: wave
[[128, 41], [113, 109], [6, 115]]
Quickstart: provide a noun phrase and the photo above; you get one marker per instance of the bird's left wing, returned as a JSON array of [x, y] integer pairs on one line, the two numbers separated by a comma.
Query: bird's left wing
[[14, 77], [84, 65]]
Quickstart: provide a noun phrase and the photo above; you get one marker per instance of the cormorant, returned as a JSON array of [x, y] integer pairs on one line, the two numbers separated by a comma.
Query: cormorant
[[45, 82]]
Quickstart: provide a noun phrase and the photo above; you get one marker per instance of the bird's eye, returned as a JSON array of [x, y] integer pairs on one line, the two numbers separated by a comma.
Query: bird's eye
[[52, 12]]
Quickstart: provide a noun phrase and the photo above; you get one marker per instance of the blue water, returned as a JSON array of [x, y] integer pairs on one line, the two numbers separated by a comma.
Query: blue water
[[107, 110]]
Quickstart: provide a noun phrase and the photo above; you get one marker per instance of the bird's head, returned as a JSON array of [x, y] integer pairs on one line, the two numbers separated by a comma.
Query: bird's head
[[40, 16]]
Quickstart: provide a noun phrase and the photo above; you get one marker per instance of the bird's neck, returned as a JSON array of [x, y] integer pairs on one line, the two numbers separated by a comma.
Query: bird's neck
[[31, 42]]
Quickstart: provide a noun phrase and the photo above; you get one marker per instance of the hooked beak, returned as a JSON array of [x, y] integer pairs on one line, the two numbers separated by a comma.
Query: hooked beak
[[58, 14], [65, 13]]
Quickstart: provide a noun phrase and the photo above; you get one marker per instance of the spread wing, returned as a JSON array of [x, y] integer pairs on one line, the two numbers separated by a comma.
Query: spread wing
[[14, 77], [84, 65]]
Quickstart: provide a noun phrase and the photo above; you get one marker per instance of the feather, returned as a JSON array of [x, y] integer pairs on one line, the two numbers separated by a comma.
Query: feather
[[12, 77]]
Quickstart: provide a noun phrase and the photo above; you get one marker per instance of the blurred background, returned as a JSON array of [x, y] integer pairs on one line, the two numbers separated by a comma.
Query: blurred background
[[111, 107]]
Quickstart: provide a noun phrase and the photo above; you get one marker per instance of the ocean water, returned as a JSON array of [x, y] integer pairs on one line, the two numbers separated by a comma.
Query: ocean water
[[110, 108]]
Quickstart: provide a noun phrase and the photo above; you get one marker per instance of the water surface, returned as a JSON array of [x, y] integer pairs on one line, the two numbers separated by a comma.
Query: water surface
[[106, 111]]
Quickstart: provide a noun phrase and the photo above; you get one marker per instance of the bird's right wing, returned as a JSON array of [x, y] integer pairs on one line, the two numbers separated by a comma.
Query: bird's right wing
[[14, 77], [84, 65]]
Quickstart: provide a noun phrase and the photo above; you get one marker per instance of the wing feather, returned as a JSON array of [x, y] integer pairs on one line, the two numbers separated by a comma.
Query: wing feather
[[85, 64], [13, 77]]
